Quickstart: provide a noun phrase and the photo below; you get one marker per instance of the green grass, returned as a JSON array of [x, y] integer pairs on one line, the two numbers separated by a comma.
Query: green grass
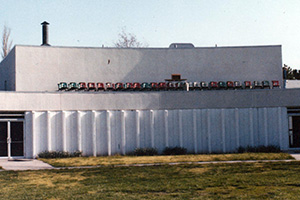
[[279, 180], [127, 160]]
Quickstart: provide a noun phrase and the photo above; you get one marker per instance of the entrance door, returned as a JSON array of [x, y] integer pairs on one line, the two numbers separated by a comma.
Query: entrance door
[[11, 138], [294, 128]]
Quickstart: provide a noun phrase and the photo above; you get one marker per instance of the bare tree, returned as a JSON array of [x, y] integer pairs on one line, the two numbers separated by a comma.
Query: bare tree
[[128, 40], [6, 44]]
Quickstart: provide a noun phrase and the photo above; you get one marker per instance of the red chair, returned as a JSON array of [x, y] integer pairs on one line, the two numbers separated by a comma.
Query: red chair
[[91, 86], [275, 84], [136, 86], [100, 86], [162, 86], [119, 86], [109, 86], [82, 86]]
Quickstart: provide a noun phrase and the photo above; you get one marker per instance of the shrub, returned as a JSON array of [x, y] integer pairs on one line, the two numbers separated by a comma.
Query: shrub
[[59, 154], [174, 151], [145, 152], [259, 149]]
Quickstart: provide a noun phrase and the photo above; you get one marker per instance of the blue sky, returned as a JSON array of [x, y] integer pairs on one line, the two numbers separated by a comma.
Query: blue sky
[[158, 22]]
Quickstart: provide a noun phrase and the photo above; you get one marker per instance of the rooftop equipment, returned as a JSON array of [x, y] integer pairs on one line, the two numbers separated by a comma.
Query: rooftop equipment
[[181, 46]]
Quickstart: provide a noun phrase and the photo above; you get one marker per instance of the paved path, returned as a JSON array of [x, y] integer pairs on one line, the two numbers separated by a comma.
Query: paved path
[[32, 164], [296, 155], [23, 164]]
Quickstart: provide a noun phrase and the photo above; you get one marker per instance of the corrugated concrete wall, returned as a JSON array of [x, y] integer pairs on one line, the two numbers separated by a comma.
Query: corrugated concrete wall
[[121, 131]]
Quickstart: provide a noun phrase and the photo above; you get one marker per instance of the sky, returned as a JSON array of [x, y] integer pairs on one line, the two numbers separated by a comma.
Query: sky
[[158, 23]]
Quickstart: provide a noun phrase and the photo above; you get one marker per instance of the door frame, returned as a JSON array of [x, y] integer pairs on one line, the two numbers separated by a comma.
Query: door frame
[[9, 136]]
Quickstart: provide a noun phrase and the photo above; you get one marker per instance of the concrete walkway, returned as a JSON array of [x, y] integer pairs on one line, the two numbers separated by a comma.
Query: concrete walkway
[[23, 164], [296, 155], [32, 164]]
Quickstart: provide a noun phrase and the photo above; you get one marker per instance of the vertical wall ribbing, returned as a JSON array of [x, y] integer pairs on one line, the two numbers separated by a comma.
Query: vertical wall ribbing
[[152, 128], [195, 131], [138, 129], [166, 128], [180, 128], [94, 121], [237, 127], [123, 130], [49, 131], [266, 126], [108, 128], [209, 132], [223, 130]]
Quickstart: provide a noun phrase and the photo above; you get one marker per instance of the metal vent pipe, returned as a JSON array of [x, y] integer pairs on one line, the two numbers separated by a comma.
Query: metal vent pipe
[[45, 34]]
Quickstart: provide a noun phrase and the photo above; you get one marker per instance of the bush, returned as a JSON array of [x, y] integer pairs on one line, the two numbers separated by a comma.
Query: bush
[[145, 152], [175, 151], [259, 149], [59, 154]]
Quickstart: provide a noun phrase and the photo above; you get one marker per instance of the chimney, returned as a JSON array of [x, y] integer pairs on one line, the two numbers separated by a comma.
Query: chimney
[[45, 34]]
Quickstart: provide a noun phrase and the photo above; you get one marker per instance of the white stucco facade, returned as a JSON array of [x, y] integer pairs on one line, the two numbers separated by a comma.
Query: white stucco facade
[[108, 123]]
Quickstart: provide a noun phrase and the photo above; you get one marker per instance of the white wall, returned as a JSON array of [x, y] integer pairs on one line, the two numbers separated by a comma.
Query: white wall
[[40, 68], [121, 131], [7, 71]]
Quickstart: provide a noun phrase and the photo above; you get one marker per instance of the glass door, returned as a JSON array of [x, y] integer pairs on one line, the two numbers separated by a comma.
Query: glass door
[[3, 139], [11, 138]]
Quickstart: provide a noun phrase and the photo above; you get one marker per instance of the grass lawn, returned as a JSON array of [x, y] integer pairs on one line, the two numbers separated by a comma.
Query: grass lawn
[[280, 180], [126, 160]]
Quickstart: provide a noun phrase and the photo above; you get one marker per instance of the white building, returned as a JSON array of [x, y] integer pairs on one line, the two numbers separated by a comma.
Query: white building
[[35, 117]]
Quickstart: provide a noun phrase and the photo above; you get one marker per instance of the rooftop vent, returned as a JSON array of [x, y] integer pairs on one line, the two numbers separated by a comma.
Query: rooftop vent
[[181, 46], [45, 34]]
